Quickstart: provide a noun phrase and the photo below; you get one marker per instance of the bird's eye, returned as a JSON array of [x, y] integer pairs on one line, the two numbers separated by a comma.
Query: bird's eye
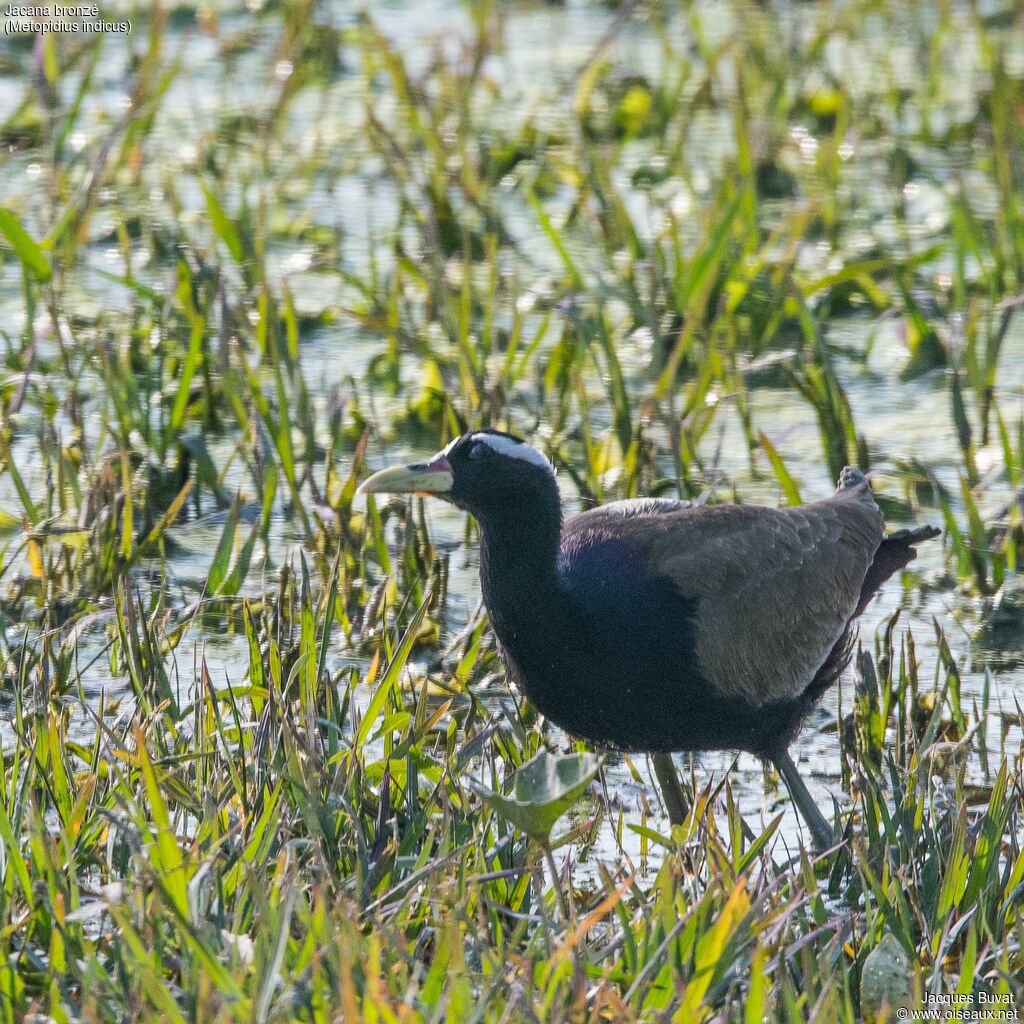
[[477, 450]]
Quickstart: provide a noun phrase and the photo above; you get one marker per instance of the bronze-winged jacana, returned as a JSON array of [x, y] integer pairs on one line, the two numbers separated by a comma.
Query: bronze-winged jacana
[[657, 625]]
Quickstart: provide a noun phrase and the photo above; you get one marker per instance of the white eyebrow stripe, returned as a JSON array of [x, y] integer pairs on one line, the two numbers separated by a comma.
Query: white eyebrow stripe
[[514, 449]]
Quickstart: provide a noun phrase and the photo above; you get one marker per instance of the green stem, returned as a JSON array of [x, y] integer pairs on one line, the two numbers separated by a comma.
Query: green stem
[[563, 902]]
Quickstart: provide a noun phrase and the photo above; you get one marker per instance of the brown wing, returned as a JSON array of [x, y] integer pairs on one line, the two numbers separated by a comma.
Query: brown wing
[[775, 589]]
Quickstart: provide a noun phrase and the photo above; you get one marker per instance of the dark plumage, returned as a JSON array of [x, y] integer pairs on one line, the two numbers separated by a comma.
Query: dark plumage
[[657, 625]]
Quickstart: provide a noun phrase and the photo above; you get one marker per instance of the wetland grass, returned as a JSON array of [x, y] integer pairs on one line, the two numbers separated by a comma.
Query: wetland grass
[[707, 250]]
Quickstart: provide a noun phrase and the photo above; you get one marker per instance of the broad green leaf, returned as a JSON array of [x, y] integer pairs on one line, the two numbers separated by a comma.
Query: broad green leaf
[[709, 959], [224, 225], [782, 474], [222, 556], [166, 855], [543, 789], [193, 360], [25, 247], [390, 680]]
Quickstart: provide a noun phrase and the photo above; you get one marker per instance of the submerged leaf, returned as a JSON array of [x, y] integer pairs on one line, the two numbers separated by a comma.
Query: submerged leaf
[[885, 980]]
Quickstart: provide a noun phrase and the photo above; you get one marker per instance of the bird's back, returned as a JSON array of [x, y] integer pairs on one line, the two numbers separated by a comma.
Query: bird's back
[[769, 592]]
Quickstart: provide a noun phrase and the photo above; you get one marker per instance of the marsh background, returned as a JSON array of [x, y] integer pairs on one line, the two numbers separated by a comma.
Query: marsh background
[[704, 249]]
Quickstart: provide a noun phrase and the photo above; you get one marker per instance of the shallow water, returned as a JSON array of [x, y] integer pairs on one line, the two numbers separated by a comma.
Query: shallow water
[[535, 71]]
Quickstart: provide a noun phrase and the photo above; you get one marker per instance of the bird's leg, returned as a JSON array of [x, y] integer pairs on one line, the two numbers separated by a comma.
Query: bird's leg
[[821, 830], [671, 788]]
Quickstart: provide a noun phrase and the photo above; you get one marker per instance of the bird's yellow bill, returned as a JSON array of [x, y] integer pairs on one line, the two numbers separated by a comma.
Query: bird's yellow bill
[[426, 478]]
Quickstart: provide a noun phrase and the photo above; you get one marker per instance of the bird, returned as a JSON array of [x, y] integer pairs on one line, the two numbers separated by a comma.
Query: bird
[[658, 625]]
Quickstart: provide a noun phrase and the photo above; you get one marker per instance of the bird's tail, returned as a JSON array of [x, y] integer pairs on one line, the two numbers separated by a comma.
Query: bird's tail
[[895, 551], [909, 537]]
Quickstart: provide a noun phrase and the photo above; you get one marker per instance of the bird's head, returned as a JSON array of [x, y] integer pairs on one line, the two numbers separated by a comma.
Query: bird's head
[[481, 471]]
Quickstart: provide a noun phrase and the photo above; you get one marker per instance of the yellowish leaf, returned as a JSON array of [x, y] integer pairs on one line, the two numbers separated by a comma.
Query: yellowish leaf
[[35, 558]]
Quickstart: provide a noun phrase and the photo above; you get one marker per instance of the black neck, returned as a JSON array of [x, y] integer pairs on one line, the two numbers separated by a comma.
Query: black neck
[[519, 546]]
